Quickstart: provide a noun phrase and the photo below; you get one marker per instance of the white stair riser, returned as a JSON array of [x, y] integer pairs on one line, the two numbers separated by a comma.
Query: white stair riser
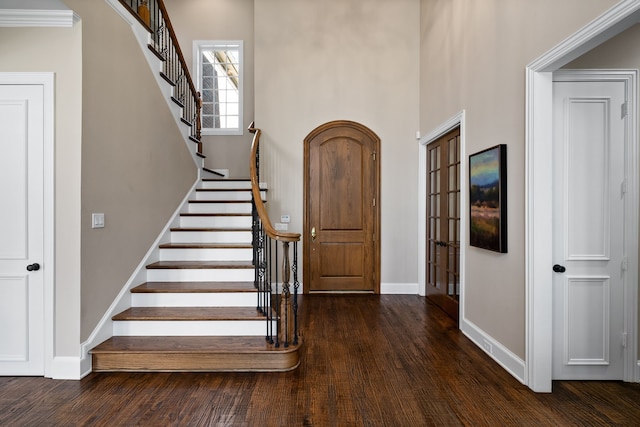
[[226, 195], [216, 221], [201, 275], [194, 254], [211, 237], [190, 327], [224, 299], [226, 184], [213, 207]]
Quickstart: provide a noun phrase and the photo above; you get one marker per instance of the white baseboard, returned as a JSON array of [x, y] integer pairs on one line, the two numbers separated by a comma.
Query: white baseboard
[[67, 368], [398, 288], [502, 355]]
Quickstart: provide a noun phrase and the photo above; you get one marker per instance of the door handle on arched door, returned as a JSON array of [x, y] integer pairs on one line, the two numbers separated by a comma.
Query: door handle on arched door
[[313, 233]]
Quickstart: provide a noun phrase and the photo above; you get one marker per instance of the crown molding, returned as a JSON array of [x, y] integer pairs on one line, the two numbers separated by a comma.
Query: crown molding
[[37, 18]]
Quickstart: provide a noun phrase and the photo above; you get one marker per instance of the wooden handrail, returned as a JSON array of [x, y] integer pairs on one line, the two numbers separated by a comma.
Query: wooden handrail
[[255, 191]]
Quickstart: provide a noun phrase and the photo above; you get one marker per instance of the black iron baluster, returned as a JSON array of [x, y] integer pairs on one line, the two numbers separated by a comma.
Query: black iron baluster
[[269, 288], [278, 297]]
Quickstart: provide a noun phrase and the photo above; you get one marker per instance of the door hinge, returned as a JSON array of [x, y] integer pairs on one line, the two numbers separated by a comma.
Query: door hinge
[[374, 202], [624, 264], [374, 237], [374, 156], [623, 110], [623, 188], [624, 339]]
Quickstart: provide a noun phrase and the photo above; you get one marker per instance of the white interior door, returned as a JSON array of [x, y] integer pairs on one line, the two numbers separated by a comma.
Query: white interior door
[[21, 229], [588, 229]]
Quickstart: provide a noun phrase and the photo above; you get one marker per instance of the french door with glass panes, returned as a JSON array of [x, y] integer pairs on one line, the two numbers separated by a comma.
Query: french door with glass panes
[[443, 222]]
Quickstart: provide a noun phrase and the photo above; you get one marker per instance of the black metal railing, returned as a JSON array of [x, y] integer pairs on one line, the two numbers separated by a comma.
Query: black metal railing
[[152, 14], [276, 269]]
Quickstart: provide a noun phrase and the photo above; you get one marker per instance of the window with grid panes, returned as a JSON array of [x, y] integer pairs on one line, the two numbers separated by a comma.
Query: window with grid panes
[[218, 66]]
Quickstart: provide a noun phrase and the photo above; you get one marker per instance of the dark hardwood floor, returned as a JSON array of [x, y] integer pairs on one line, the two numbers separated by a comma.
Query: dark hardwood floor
[[367, 361]]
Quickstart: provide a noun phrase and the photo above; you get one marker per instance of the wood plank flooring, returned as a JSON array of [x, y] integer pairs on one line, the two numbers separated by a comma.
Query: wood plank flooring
[[390, 360]]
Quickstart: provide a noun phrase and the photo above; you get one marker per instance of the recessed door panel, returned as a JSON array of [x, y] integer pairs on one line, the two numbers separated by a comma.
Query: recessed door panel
[[588, 230]]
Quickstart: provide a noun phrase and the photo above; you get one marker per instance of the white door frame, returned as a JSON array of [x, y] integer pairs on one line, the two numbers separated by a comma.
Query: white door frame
[[538, 199], [48, 263]]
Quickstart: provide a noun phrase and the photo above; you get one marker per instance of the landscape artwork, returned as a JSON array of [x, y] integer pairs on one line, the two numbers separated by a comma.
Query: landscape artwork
[[487, 189]]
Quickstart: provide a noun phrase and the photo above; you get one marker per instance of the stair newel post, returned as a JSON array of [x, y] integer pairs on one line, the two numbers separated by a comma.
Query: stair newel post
[[296, 285], [286, 293]]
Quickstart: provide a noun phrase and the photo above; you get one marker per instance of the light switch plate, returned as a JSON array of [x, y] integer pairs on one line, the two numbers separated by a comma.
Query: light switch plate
[[97, 220]]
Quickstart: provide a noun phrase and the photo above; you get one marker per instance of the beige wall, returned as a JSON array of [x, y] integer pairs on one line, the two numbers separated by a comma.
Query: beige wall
[[473, 57], [220, 20], [58, 50], [136, 167], [318, 61], [619, 52]]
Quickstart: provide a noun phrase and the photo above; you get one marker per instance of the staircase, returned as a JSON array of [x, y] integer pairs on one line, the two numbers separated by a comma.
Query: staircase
[[197, 309]]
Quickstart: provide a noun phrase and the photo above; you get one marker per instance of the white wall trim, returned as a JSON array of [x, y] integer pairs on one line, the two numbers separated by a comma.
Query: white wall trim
[[387, 288], [47, 80], [502, 355], [538, 185], [104, 329], [67, 368], [450, 124], [37, 18]]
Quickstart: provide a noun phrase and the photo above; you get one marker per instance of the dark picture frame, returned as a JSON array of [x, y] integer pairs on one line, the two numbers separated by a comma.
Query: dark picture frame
[[488, 199]]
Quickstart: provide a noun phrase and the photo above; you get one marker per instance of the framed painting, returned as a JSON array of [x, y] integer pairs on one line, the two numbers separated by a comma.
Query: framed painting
[[488, 198]]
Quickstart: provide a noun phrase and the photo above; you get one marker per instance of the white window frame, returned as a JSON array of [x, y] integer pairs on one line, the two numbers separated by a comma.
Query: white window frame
[[202, 45]]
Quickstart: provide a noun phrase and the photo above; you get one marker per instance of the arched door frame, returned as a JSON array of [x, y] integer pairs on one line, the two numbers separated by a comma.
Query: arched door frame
[[376, 211]]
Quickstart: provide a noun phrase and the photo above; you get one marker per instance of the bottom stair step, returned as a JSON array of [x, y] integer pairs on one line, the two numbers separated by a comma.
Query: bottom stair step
[[193, 354]]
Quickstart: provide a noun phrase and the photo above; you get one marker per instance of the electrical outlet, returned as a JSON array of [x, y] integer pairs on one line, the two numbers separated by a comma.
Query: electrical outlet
[[487, 346]]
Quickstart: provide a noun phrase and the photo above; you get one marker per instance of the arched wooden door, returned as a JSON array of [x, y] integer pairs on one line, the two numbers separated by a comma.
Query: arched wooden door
[[342, 209]]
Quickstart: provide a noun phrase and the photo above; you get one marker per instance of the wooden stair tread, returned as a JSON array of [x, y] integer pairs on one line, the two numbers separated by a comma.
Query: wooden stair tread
[[194, 287], [189, 313], [223, 201], [213, 214], [227, 190], [222, 229], [227, 179], [195, 344], [205, 246], [199, 264]]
